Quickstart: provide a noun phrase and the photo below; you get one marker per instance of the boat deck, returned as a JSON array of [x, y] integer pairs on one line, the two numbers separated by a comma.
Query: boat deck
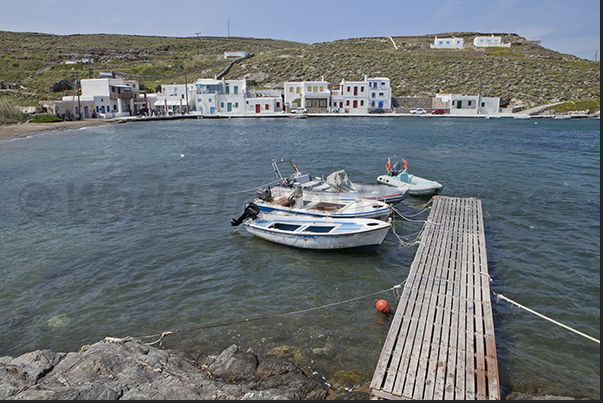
[[441, 341]]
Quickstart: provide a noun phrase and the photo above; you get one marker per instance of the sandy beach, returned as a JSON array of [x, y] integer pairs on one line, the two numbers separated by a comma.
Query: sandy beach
[[10, 132]]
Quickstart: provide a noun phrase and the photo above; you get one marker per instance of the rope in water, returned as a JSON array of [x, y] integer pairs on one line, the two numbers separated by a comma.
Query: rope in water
[[418, 234], [397, 292], [544, 317]]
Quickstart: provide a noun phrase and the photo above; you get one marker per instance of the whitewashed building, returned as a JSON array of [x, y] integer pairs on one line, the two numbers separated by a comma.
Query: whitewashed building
[[220, 96], [380, 93], [448, 43], [235, 55], [312, 95], [174, 99], [361, 96], [102, 97], [263, 105], [232, 97], [489, 41], [470, 105]]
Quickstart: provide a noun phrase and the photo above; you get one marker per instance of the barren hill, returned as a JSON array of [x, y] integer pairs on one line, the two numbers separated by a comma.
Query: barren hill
[[524, 74]]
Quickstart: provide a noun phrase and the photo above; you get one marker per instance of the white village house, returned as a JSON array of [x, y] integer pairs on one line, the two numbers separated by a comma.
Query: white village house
[[102, 97], [448, 43], [489, 41], [232, 97], [361, 96], [470, 105], [173, 99], [312, 95]]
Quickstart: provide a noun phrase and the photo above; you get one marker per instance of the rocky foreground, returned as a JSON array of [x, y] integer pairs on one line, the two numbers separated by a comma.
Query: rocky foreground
[[127, 369]]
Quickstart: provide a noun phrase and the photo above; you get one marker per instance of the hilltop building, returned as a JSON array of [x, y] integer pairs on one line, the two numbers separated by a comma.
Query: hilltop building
[[448, 43], [489, 41]]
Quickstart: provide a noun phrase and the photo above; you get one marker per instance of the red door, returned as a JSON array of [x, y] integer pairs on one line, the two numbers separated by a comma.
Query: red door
[[258, 108]]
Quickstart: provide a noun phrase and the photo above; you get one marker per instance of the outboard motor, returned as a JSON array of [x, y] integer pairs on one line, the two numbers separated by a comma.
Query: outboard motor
[[264, 194], [251, 211], [295, 198], [395, 169]]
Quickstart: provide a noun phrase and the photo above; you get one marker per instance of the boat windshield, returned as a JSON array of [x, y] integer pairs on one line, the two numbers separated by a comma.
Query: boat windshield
[[285, 227], [319, 228]]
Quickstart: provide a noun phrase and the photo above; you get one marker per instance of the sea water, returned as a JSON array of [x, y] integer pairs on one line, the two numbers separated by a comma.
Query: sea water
[[124, 230]]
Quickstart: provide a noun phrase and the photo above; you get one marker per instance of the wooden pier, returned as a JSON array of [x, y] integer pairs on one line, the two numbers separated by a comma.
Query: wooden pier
[[441, 341]]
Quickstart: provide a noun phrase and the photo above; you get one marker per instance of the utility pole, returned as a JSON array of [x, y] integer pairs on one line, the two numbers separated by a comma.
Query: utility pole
[[77, 87], [186, 92], [228, 29], [197, 41]]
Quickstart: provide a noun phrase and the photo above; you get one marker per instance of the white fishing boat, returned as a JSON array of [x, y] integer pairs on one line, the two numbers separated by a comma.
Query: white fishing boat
[[324, 233], [522, 117], [562, 117], [336, 183], [398, 177], [302, 204]]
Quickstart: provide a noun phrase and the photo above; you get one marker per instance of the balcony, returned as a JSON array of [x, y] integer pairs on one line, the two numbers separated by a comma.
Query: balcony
[[126, 96]]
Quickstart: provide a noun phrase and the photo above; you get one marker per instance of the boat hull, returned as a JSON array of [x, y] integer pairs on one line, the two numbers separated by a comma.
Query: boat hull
[[417, 186], [304, 233], [367, 192], [323, 206]]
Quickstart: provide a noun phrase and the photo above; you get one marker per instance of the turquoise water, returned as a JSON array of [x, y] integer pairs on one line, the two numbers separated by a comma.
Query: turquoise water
[[124, 230]]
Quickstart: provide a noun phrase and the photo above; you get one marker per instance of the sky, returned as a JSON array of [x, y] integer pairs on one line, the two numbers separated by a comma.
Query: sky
[[567, 26]]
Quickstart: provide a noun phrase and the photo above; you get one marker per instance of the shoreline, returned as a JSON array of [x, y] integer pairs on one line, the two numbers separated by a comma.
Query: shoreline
[[22, 130]]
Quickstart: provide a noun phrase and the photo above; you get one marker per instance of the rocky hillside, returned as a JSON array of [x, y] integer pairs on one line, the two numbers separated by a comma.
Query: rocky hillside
[[522, 75]]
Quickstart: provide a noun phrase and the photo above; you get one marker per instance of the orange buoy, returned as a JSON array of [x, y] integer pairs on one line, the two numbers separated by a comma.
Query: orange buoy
[[383, 306]]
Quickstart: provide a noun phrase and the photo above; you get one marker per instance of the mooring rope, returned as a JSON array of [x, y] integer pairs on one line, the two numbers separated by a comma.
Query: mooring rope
[[418, 234], [162, 335], [408, 219], [544, 317]]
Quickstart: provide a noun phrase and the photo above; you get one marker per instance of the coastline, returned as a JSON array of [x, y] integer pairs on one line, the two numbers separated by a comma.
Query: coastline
[[22, 130]]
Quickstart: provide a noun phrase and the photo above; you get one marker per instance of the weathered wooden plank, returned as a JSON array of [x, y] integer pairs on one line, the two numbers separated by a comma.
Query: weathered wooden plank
[[490, 348], [415, 378], [446, 293], [470, 313], [461, 390], [387, 368], [439, 292], [458, 220], [401, 351], [455, 271]]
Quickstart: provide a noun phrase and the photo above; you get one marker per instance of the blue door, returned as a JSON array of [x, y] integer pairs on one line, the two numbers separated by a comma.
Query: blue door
[[380, 104]]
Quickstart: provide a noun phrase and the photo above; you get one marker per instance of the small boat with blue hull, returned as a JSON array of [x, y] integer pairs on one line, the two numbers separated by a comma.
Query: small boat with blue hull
[[397, 177], [302, 204], [324, 233]]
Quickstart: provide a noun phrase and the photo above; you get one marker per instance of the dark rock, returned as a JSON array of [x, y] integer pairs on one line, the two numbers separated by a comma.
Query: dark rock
[[126, 369]]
